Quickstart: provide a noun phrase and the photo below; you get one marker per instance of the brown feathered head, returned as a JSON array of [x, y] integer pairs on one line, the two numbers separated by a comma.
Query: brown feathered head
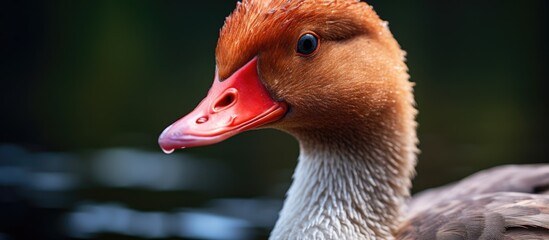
[[300, 66]]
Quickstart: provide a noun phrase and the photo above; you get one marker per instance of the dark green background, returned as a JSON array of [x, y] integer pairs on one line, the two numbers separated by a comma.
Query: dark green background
[[81, 76]]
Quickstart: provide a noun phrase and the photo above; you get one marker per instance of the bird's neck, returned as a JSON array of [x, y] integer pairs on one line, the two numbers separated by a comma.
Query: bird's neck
[[349, 185]]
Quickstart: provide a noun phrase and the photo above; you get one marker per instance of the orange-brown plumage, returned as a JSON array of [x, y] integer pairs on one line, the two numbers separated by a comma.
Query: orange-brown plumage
[[270, 29], [256, 26]]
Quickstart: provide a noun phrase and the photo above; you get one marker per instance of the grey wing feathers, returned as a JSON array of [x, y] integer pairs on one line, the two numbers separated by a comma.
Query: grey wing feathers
[[509, 178], [507, 202], [487, 216]]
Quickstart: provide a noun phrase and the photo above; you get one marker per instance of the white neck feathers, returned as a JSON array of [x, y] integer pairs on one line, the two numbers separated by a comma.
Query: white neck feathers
[[345, 192]]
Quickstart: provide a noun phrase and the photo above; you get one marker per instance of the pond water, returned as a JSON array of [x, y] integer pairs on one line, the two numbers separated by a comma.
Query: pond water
[[123, 193]]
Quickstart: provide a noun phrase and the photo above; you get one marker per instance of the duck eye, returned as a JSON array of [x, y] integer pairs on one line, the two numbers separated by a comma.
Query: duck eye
[[307, 44]]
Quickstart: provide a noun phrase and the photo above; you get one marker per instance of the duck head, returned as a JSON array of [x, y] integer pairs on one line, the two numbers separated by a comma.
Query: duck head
[[305, 67]]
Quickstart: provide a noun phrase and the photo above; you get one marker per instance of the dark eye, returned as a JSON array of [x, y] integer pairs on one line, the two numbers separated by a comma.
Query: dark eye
[[307, 44]]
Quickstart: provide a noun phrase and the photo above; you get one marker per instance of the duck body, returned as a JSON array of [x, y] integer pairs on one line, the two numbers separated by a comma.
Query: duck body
[[504, 202], [331, 74]]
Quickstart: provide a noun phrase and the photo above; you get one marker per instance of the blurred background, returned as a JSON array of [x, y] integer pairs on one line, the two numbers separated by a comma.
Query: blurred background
[[87, 87]]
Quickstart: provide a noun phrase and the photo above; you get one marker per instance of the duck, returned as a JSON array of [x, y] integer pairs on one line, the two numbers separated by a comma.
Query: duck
[[331, 74]]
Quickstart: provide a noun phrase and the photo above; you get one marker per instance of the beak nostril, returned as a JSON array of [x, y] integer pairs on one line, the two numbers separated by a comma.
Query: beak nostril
[[201, 120], [227, 100]]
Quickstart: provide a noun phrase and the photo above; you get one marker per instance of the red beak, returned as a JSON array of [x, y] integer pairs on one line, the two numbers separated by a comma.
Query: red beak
[[234, 105]]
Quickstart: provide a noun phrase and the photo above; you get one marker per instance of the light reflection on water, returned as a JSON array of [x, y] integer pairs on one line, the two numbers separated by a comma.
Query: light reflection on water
[[129, 168], [89, 219], [45, 191]]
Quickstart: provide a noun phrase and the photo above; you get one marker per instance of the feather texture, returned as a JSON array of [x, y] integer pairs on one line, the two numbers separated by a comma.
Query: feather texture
[[532, 179], [501, 215]]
